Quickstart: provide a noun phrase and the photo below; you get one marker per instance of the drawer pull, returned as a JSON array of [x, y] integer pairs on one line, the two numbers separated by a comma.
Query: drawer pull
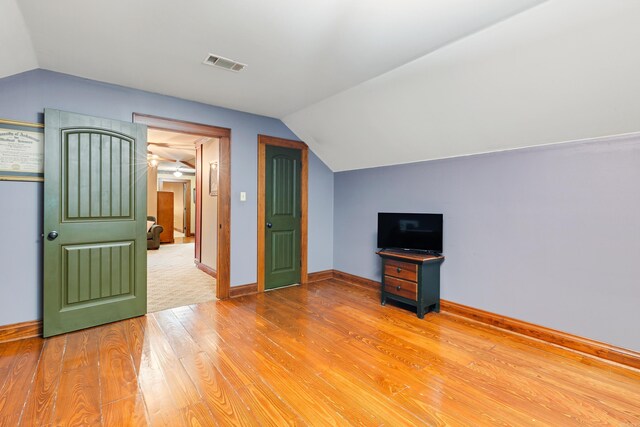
[[398, 288], [398, 270]]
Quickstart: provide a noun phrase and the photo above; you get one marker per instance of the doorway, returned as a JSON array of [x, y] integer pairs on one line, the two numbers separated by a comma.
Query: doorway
[[282, 212], [193, 255], [183, 207]]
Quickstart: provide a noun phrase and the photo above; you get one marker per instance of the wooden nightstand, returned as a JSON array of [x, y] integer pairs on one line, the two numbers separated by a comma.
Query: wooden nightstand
[[411, 278]]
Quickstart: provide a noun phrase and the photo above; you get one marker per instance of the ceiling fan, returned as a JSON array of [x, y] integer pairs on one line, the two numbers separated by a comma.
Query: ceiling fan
[[154, 160]]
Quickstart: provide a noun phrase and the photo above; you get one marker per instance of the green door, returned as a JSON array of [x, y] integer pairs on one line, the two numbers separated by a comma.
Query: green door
[[282, 204], [95, 265]]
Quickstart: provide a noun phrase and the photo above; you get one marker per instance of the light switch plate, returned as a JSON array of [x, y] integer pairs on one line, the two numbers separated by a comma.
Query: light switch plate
[[243, 196]]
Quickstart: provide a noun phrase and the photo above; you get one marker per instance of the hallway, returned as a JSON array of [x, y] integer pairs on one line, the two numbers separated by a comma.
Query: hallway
[[173, 280]]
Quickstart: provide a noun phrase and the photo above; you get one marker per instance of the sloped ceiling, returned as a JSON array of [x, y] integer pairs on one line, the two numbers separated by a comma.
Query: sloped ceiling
[[298, 52], [364, 83], [562, 71], [17, 51]]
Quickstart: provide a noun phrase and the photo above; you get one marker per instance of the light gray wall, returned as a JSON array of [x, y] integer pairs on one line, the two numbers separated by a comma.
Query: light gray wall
[[320, 215], [24, 97], [549, 235]]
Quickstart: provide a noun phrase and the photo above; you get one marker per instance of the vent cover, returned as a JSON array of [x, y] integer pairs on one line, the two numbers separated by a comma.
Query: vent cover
[[224, 63]]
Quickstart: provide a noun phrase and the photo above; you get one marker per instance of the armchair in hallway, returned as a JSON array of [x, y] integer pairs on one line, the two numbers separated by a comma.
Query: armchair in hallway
[[153, 233]]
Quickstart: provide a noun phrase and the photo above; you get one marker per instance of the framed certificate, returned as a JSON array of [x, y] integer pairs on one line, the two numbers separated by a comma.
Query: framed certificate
[[21, 151]]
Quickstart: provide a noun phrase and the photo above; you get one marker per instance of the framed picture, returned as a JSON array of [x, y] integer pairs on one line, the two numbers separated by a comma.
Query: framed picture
[[21, 151], [213, 179]]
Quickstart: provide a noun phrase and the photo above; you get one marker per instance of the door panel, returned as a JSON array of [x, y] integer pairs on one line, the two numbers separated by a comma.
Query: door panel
[[283, 244], [98, 169], [282, 205], [95, 199], [97, 271]]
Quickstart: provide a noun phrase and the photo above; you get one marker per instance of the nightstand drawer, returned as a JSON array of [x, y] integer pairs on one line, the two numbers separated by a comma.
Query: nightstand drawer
[[400, 269], [400, 287]]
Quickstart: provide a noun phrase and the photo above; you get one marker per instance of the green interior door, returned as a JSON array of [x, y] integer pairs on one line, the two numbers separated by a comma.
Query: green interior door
[[282, 204], [95, 264]]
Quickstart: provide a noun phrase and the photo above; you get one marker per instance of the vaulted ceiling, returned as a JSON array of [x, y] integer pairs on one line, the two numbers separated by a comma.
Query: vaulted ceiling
[[298, 52], [364, 83], [565, 70]]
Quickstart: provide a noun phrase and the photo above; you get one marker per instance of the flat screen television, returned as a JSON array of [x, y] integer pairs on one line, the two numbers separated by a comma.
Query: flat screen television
[[410, 231]]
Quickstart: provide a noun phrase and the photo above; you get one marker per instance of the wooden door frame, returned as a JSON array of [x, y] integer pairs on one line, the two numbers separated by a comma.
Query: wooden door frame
[[200, 185], [263, 141], [223, 259], [187, 200]]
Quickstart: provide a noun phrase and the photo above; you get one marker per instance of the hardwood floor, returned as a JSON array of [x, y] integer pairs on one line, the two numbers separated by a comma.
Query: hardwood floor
[[322, 354], [182, 239]]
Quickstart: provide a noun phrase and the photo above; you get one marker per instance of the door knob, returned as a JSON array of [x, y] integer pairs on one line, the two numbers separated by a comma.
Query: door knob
[[269, 225], [52, 236]]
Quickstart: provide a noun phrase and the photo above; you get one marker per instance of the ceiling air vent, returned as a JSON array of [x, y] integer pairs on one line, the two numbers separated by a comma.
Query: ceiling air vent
[[225, 63]]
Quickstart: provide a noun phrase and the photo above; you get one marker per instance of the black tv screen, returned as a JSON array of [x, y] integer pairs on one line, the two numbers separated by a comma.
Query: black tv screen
[[414, 231]]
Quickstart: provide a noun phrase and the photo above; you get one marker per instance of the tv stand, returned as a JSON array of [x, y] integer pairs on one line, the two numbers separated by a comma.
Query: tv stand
[[412, 278]]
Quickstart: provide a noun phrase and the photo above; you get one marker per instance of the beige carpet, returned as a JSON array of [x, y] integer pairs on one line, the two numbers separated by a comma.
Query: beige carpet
[[173, 279]]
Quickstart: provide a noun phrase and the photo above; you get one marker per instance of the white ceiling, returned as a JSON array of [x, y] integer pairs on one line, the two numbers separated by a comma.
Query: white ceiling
[[177, 139], [365, 83], [565, 70], [298, 51], [17, 51], [173, 146]]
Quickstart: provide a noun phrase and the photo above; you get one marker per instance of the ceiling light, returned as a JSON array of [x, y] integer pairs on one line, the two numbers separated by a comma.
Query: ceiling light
[[177, 173]]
